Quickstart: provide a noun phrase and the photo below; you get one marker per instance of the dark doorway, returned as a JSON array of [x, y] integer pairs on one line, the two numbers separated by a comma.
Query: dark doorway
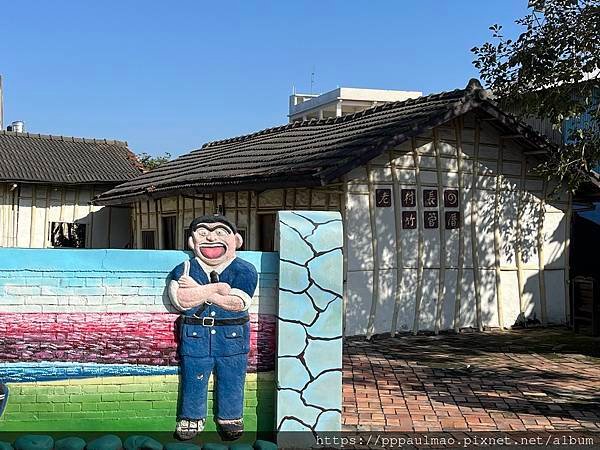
[[585, 276], [169, 232], [266, 232]]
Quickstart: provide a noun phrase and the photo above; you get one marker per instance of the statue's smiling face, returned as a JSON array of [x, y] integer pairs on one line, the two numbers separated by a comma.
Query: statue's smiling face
[[214, 243]]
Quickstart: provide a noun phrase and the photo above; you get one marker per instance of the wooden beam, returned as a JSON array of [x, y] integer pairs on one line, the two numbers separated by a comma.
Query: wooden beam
[[419, 208], [91, 213], [32, 223], [474, 233], [518, 248], [497, 236], [458, 127], [541, 256], [535, 152], [398, 236], [344, 212], [442, 235], [375, 250]]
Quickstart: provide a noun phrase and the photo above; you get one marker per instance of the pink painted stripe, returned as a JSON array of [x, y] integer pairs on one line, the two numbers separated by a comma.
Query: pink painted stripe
[[145, 338]]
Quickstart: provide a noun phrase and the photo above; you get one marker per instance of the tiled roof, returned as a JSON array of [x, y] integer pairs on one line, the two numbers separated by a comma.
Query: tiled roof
[[308, 153], [38, 158]]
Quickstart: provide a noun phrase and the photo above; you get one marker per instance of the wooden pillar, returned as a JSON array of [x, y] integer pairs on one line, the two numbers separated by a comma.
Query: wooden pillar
[[398, 237], [249, 215], [375, 250], [91, 214], [344, 211], [420, 263], [518, 249], [474, 233], [442, 229], [4, 215], [109, 226], [32, 223], [497, 237], [541, 256], [458, 128]]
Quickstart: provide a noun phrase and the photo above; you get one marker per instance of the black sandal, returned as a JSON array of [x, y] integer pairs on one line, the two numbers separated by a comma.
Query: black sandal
[[231, 430]]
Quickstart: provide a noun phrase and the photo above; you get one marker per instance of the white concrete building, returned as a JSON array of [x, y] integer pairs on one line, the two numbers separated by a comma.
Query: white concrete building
[[446, 225], [342, 101]]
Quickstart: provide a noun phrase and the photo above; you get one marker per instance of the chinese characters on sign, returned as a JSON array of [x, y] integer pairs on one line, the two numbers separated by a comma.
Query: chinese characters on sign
[[383, 198], [431, 219], [409, 198], [452, 220], [430, 199], [409, 220], [451, 198]]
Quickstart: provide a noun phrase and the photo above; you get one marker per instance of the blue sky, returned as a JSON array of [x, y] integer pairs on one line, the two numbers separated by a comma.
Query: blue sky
[[169, 76]]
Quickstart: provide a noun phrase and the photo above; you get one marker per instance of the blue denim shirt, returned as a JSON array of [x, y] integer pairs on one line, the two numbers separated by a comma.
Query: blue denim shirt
[[219, 340]]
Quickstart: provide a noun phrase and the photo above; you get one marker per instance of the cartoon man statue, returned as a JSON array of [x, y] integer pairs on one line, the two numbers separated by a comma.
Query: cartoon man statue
[[213, 291]]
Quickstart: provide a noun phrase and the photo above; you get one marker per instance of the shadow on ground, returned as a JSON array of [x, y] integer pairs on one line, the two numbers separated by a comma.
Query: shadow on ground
[[530, 379]]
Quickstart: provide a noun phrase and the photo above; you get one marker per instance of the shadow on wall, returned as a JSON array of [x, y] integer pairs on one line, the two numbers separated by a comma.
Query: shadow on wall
[[519, 223], [109, 227]]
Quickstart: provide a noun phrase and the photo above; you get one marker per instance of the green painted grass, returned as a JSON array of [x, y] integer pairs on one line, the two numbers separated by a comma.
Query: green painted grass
[[122, 404]]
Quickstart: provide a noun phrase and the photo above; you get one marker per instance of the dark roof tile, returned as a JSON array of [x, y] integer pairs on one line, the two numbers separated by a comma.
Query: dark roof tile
[[39, 158], [308, 153]]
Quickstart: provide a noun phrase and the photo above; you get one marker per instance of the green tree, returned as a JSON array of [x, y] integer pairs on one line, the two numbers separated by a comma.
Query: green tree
[[152, 162], [552, 70]]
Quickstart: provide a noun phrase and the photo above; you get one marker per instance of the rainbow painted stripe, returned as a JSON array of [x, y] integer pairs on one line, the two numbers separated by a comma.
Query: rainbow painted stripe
[[118, 338]]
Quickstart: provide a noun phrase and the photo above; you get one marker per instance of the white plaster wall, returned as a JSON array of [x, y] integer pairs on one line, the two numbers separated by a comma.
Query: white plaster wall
[[452, 282]]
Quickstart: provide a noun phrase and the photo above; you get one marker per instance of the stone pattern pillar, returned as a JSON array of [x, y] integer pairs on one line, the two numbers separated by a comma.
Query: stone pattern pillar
[[309, 324]]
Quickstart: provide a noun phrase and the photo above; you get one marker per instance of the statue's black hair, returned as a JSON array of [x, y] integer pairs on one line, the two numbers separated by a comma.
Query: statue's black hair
[[212, 219]]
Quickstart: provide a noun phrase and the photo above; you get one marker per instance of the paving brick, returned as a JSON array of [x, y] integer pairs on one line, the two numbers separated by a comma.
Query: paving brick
[[389, 385]]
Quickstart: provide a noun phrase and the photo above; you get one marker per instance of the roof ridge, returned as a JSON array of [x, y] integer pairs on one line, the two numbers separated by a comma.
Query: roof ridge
[[54, 137], [472, 89]]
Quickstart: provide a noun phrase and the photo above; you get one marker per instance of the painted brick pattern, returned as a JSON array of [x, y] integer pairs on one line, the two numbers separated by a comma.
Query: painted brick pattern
[[98, 323], [120, 403], [28, 291]]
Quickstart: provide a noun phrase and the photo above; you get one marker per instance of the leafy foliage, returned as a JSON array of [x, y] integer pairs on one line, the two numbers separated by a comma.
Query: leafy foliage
[[552, 70], [152, 162]]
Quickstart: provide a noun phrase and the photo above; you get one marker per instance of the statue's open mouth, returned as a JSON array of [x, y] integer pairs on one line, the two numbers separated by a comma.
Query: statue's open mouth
[[213, 251]]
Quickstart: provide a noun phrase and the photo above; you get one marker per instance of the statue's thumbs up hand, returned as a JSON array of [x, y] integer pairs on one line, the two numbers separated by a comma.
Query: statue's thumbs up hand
[[187, 282]]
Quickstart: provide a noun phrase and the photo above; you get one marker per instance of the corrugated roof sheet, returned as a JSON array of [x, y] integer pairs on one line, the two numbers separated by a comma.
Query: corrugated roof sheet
[[38, 158], [307, 153]]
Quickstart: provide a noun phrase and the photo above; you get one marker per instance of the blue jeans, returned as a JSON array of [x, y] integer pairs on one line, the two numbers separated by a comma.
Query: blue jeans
[[229, 373]]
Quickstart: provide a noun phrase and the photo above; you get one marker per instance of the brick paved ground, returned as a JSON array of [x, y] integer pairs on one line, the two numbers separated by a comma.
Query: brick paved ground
[[532, 380]]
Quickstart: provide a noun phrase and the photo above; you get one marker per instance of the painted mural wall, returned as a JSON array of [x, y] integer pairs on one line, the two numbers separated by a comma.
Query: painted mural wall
[[87, 341], [28, 213], [451, 230], [88, 338]]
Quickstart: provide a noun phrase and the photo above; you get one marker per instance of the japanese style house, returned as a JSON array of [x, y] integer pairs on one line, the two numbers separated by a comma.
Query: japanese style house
[[447, 226], [47, 184]]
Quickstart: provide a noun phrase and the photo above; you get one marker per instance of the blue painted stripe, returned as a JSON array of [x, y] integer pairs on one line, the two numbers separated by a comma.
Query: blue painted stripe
[[48, 371], [87, 260]]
